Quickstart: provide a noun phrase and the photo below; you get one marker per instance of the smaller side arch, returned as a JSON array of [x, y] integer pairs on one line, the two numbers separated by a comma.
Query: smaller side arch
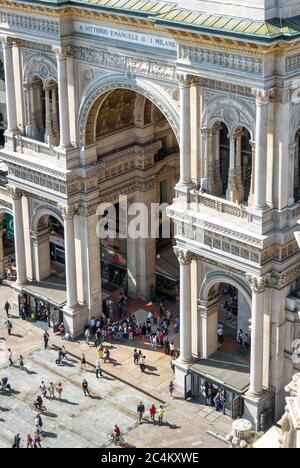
[[215, 277], [43, 210]]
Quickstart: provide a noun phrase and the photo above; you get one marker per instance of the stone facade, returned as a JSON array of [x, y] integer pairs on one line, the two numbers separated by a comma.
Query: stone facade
[[237, 188]]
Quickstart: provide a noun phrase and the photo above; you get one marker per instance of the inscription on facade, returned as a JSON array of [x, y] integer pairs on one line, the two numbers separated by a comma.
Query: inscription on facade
[[123, 35]]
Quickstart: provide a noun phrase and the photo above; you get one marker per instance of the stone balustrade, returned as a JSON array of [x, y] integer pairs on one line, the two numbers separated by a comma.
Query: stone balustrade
[[134, 157], [25, 145], [204, 202]]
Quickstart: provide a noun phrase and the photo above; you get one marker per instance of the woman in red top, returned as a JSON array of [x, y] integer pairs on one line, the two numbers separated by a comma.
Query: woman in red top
[[152, 412], [117, 432]]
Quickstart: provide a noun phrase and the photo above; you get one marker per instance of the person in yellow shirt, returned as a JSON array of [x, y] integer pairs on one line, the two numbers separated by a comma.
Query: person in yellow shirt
[[161, 413]]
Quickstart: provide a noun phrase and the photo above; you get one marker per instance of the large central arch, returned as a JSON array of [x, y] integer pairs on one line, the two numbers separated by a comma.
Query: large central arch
[[153, 92]]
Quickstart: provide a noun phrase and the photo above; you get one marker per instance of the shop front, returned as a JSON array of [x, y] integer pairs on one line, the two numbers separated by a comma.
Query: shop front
[[43, 303], [219, 385], [114, 263]]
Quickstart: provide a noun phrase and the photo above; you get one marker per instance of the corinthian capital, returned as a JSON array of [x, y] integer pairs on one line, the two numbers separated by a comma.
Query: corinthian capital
[[258, 283], [15, 193], [184, 256], [6, 41], [68, 212], [262, 95], [61, 53], [185, 80]]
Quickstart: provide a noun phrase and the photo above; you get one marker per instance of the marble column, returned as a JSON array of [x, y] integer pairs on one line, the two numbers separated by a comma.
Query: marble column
[[251, 195], [207, 135], [64, 116], [12, 125], [185, 131], [48, 121], [54, 112], [70, 254], [260, 182], [258, 286], [239, 169], [17, 196], [185, 259], [231, 193]]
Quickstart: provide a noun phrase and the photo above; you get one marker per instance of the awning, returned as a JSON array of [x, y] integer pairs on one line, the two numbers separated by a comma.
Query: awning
[[53, 291], [231, 375]]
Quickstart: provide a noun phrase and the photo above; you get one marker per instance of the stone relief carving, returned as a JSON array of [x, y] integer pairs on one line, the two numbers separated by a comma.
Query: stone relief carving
[[216, 59], [121, 62]]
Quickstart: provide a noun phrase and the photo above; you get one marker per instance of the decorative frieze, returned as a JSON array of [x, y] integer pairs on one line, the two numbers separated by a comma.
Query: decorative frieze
[[125, 63], [29, 23], [216, 59]]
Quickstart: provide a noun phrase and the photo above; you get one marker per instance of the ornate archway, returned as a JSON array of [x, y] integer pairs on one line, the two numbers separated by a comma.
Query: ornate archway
[[154, 93]]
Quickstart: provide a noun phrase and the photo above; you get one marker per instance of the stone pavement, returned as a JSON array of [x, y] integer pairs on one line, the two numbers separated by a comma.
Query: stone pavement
[[189, 424], [76, 421]]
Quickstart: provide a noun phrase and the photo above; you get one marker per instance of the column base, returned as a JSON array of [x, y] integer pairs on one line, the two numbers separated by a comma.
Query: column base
[[75, 319], [258, 410], [262, 220], [181, 371], [183, 191]]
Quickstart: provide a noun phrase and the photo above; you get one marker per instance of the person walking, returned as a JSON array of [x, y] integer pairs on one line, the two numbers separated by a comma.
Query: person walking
[[98, 369], [59, 391], [10, 358], [7, 308], [43, 389], [17, 441], [21, 363], [39, 424], [220, 334], [136, 357], [37, 440], [51, 390], [171, 388], [29, 441], [9, 327], [46, 339], [142, 363], [161, 414], [85, 388], [87, 336], [83, 362], [152, 412], [141, 412]]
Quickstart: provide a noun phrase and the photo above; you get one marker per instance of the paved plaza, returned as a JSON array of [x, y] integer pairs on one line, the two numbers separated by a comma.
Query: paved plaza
[[80, 421]]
